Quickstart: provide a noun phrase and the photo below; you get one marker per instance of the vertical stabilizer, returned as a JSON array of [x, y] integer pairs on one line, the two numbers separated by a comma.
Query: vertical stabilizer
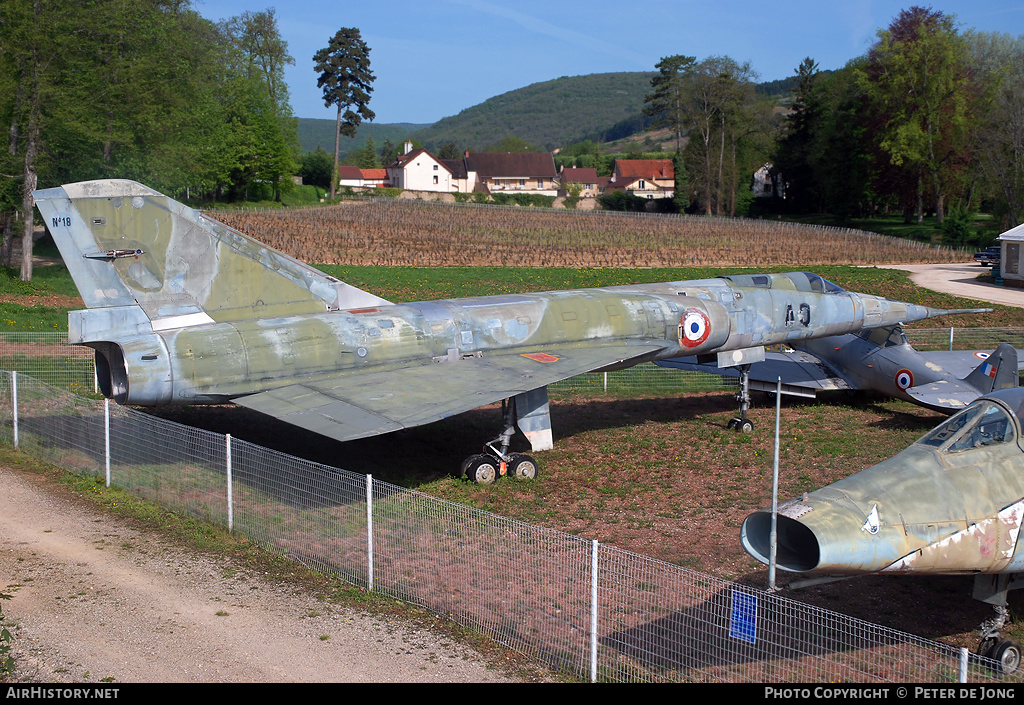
[[126, 244], [999, 371]]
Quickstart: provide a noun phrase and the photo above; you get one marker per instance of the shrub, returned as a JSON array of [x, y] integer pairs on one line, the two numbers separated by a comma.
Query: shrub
[[622, 201], [957, 228], [6, 660]]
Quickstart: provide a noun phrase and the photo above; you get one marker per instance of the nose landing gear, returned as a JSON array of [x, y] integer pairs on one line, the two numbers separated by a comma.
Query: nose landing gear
[[741, 423]]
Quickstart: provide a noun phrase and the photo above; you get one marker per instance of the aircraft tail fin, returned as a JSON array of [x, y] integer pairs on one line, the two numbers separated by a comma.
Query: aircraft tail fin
[[998, 371], [126, 245]]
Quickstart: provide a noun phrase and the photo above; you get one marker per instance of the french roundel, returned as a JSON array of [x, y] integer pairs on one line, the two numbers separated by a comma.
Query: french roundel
[[904, 379], [694, 328]]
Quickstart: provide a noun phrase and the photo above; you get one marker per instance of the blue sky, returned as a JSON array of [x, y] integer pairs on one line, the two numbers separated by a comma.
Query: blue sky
[[434, 58]]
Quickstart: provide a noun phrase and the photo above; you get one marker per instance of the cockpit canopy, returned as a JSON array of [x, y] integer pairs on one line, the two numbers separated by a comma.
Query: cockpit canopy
[[984, 423], [885, 337], [801, 281]]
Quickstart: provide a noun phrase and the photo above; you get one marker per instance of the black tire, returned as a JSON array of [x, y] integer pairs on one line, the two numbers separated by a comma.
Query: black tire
[[745, 426], [1007, 656], [464, 470], [483, 470], [522, 466]]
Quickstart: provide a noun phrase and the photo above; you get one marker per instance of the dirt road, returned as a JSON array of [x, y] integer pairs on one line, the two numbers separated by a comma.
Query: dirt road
[[95, 599]]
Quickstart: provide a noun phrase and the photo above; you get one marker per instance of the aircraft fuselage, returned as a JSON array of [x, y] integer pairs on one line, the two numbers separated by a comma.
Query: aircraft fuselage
[[188, 360]]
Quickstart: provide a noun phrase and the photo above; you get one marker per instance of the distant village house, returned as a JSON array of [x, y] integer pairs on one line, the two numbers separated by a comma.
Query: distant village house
[[645, 178], [419, 170], [354, 177], [591, 185]]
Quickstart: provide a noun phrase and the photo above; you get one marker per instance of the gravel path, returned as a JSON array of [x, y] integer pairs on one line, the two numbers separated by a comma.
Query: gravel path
[[95, 599], [962, 280]]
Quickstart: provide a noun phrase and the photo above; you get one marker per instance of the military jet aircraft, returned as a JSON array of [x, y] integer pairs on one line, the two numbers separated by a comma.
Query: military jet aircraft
[[951, 503], [879, 360], [183, 309]]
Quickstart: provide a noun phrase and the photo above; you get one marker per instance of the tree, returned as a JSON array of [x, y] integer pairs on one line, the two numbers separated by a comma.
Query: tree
[[262, 52], [999, 58], [721, 109], [388, 152], [449, 151], [346, 80], [840, 158], [366, 158], [795, 155], [918, 80], [667, 103], [33, 58], [512, 143], [315, 168]]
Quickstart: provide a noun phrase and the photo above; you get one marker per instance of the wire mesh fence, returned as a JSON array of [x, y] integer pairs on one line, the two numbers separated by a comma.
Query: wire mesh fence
[[594, 611], [47, 356]]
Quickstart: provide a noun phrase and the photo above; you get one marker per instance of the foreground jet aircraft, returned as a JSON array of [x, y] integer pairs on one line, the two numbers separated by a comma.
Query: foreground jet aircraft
[[951, 503], [879, 360], [183, 309]]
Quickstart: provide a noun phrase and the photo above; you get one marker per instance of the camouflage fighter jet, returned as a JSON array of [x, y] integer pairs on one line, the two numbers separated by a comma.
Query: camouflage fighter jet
[[878, 360], [183, 309], [951, 503]]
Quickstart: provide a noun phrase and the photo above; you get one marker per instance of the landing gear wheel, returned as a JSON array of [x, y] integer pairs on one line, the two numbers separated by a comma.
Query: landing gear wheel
[[482, 470], [464, 470], [742, 425], [522, 466], [1007, 655]]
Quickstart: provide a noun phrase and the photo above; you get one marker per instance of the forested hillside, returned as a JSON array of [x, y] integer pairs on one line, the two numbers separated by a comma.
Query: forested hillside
[[314, 132], [550, 114]]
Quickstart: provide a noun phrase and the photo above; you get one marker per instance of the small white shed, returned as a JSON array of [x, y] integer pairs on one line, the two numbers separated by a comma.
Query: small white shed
[[1011, 264]]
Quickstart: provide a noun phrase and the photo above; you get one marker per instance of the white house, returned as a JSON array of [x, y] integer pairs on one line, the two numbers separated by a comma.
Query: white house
[[419, 170]]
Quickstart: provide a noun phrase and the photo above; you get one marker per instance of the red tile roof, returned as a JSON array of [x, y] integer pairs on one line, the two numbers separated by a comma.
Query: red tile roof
[[631, 169], [580, 175]]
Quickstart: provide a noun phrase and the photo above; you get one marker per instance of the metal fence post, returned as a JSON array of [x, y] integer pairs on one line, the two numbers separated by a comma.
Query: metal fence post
[[106, 441], [369, 533], [593, 612], [14, 405], [227, 462], [951, 337]]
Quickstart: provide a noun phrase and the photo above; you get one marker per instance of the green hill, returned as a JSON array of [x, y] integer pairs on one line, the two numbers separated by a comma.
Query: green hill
[[549, 114], [602, 107], [313, 132]]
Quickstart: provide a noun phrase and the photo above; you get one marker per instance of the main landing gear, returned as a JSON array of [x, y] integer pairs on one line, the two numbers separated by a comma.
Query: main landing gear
[[741, 423], [495, 461], [1006, 653]]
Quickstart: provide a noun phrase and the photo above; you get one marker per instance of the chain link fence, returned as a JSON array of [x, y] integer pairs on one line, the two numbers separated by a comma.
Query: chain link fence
[[596, 612]]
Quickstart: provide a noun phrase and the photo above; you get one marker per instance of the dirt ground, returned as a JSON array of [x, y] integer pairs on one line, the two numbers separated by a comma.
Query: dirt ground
[[95, 600]]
